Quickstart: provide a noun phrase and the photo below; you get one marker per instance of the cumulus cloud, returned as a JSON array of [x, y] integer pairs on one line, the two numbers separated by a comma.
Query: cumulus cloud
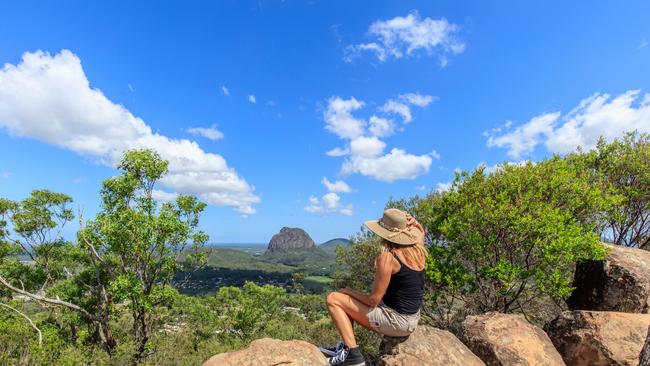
[[225, 90], [367, 147], [49, 98], [443, 187], [417, 99], [211, 133], [337, 187], [395, 165], [339, 119], [381, 127], [163, 196], [328, 203], [403, 36], [394, 107], [595, 116], [252, 99], [365, 150], [337, 151], [401, 105]]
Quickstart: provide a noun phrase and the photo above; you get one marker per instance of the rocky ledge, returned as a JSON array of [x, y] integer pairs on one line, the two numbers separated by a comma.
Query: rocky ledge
[[619, 336]]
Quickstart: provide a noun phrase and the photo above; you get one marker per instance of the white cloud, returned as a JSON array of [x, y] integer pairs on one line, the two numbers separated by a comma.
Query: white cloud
[[225, 90], [131, 88], [394, 107], [367, 147], [49, 98], [643, 44], [417, 99], [252, 99], [211, 133], [5, 175], [443, 187], [401, 106], [395, 165], [328, 203], [339, 119], [163, 196], [337, 187], [524, 138], [434, 154], [595, 116], [365, 154], [381, 127], [421, 188], [337, 151], [403, 36]]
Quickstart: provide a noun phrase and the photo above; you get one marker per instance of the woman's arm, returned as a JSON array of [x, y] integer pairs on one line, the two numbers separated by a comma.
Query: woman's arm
[[380, 284]]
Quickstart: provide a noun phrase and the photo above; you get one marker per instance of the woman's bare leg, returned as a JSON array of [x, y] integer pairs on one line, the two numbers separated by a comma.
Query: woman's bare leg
[[344, 310]]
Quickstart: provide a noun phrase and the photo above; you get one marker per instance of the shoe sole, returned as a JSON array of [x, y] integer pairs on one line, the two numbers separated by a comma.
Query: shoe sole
[[363, 363], [326, 351]]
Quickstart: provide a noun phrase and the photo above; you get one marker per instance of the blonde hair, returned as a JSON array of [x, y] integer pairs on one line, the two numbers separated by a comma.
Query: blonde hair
[[414, 256]]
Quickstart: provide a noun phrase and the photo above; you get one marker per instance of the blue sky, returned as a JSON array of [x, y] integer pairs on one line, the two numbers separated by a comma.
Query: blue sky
[[447, 84]]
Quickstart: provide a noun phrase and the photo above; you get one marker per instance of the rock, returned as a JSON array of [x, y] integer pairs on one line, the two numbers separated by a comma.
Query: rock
[[509, 340], [289, 239], [599, 338], [427, 346], [619, 283], [644, 357], [267, 352]]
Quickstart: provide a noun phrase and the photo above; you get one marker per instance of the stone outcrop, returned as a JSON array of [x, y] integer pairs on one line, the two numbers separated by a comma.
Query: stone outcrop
[[509, 340], [427, 346], [290, 239], [619, 283], [267, 352], [598, 338], [644, 357]]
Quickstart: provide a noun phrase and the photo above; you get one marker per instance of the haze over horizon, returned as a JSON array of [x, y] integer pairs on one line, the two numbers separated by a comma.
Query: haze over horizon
[[309, 114]]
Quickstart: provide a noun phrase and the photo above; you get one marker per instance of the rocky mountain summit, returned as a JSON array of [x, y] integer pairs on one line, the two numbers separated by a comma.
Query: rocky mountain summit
[[290, 239], [608, 324]]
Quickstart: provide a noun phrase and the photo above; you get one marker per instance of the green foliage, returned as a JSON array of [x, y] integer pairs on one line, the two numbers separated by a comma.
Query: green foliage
[[504, 239], [622, 168], [358, 262]]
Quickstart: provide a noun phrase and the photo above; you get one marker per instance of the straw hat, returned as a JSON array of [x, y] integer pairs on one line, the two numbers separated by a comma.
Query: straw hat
[[393, 227]]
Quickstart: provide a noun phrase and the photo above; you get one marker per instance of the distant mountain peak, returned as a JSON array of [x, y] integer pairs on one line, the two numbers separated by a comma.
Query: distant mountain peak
[[290, 239]]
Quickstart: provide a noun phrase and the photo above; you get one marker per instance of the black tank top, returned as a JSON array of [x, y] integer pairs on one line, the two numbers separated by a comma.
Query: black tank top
[[405, 290]]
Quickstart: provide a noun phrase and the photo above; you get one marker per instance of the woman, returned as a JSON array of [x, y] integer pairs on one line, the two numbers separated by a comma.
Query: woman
[[393, 306]]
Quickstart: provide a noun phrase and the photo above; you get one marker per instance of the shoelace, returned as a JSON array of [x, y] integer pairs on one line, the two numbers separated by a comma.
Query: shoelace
[[339, 357]]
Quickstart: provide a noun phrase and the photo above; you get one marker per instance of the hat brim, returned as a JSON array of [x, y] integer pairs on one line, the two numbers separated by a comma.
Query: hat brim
[[399, 239]]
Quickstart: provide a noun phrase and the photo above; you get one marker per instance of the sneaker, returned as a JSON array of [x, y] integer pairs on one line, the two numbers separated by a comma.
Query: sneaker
[[332, 350], [347, 357]]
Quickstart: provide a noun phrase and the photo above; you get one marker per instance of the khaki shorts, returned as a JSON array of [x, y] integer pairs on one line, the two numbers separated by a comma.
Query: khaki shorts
[[389, 322]]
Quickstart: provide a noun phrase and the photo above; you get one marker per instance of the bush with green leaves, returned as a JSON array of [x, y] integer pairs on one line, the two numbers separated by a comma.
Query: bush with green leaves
[[505, 238], [622, 168]]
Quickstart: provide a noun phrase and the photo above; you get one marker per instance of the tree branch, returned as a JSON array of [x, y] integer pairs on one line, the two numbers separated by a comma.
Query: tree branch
[[66, 304], [40, 335]]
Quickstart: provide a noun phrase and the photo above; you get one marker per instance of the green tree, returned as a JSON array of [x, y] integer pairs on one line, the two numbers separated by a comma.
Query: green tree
[[504, 239], [126, 255], [137, 242], [622, 168]]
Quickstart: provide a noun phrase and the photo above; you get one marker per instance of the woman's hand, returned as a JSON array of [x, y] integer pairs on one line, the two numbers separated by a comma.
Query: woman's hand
[[411, 221]]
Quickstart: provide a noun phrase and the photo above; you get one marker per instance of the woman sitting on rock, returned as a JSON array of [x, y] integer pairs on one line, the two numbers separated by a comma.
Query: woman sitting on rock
[[393, 306]]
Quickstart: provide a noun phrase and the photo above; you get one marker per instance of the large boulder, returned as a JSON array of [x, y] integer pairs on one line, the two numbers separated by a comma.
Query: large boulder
[[426, 346], [599, 338], [619, 283], [290, 238], [267, 352], [509, 340], [644, 357]]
